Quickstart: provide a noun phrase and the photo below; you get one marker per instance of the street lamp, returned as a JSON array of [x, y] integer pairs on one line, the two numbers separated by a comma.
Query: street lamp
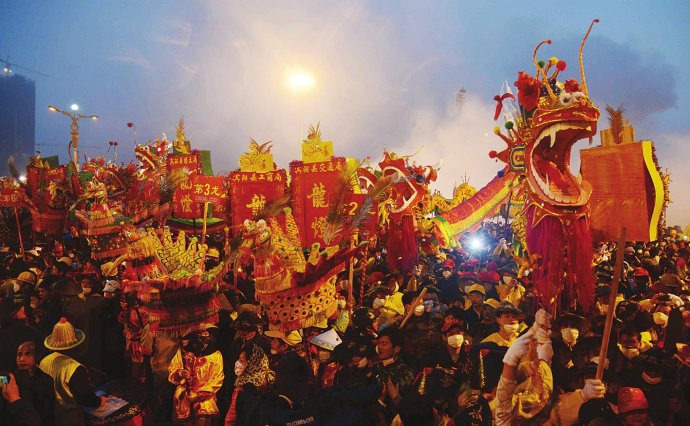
[[74, 128]]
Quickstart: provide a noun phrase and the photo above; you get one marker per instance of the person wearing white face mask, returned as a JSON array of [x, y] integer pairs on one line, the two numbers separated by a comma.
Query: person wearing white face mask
[[507, 318], [453, 353], [568, 328], [630, 346], [254, 376]]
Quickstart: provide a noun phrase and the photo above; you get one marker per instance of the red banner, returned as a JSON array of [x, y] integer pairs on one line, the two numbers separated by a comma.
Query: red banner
[[190, 162], [11, 197], [311, 187], [208, 189], [184, 206], [250, 191], [38, 180]]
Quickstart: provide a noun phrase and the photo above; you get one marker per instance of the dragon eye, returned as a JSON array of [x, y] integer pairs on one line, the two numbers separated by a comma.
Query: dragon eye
[[578, 96], [566, 99]]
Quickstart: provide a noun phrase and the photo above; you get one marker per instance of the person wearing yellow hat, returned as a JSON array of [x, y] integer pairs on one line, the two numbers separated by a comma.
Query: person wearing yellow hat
[[73, 389], [477, 294], [507, 317], [293, 374]]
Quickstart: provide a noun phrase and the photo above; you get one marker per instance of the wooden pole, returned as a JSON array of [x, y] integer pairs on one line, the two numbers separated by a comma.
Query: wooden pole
[[203, 227], [617, 271], [19, 231], [351, 276], [414, 304]]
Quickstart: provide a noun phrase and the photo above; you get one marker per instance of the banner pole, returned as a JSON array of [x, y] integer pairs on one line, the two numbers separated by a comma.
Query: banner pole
[[203, 227], [19, 231], [618, 269]]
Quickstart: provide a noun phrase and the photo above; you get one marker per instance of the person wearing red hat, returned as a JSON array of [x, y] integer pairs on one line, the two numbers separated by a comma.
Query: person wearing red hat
[[633, 407], [448, 284]]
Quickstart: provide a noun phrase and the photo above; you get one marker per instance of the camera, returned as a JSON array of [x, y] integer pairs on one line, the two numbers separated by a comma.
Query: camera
[[4, 379]]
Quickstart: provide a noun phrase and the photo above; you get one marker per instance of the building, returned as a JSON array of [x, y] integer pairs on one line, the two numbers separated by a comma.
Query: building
[[17, 120]]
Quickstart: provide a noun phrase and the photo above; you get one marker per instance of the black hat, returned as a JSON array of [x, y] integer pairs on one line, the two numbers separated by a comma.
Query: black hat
[[657, 361], [363, 317], [67, 287], [572, 319], [507, 308], [248, 321], [9, 306], [594, 409]]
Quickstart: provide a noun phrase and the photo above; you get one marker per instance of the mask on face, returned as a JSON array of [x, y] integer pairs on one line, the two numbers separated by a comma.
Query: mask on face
[[511, 328], [239, 368], [419, 310], [660, 318], [456, 340], [651, 380], [378, 303], [629, 353], [570, 335], [324, 356]]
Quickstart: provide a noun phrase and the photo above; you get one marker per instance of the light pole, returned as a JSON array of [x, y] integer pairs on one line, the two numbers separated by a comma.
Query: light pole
[[74, 129]]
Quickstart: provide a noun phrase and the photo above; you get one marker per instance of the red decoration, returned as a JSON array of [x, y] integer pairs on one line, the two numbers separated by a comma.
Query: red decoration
[[572, 86], [250, 191], [311, 190], [499, 106], [11, 198], [561, 65], [529, 90], [208, 189]]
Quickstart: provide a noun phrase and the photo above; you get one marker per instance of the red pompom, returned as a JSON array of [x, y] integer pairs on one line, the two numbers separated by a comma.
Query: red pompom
[[571, 86], [130, 124], [560, 66], [492, 154]]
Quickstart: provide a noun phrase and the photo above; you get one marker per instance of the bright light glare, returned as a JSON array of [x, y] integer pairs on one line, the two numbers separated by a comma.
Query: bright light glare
[[476, 243], [301, 81], [74, 107], [22, 178]]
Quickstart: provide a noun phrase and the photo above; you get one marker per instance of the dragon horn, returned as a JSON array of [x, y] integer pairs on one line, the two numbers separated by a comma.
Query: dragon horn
[[541, 72], [582, 66]]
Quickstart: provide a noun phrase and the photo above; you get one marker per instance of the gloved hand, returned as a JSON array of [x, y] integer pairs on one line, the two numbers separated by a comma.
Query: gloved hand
[[593, 389], [542, 319], [545, 351], [518, 349], [543, 336]]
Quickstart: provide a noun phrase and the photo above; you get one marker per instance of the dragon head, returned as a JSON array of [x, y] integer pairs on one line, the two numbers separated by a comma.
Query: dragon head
[[409, 182], [153, 154], [554, 115]]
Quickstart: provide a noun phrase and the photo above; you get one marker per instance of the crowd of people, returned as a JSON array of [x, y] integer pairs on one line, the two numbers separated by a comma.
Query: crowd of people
[[460, 339]]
